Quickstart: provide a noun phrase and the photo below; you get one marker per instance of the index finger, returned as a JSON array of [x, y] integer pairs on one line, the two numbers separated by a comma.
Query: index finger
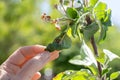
[[20, 56]]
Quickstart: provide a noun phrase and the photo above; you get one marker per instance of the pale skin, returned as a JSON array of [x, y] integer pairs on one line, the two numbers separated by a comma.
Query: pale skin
[[26, 62]]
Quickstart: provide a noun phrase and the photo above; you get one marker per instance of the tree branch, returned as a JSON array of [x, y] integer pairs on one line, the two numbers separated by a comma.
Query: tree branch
[[96, 54]]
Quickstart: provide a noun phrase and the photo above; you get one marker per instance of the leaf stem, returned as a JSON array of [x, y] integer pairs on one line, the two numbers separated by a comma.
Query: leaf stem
[[96, 54], [93, 43], [72, 3], [63, 8], [85, 2]]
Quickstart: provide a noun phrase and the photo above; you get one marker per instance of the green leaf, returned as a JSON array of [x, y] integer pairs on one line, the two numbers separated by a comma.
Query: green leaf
[[92, 2], [77, 60], [99, 10], [93, 69], [101, 58], [59, 76], [114, 75], [85, 58], [90, 30], [74, 29], [105, 71], [108, 15], [83, 74], [107, 20], [71, 13], [104, 18], [103, 33], [110, 55], [61, 42], [105, 23]]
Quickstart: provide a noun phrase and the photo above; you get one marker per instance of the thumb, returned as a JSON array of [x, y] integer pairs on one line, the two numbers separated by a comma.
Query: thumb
[[32, 66]]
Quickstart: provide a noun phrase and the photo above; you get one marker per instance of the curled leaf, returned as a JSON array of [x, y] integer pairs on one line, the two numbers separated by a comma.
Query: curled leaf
[[90, 30], [74, 29], [103, 32], [63, 41]]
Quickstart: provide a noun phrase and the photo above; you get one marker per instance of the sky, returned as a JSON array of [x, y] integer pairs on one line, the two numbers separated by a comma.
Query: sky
[[113, 4]]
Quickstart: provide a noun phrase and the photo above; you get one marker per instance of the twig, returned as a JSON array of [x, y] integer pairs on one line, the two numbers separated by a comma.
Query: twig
[[96, 54]]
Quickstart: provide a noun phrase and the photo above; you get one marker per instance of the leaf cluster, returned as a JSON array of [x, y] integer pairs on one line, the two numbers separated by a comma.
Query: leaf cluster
[[89, 61], [83, 21]]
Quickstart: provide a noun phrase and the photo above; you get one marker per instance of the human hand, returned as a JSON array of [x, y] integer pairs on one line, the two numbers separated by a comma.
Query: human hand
[[25, 63]]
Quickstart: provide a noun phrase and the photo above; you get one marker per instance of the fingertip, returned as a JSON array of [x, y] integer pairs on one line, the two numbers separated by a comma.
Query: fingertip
[[57, 54], [54, 55], [36, 76]]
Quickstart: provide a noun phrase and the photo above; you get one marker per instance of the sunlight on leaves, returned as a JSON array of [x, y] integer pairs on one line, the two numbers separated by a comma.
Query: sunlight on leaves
[[114, 75], [110, 55], [92, 2], [86, 57], [99, 10], [101, 58], [59, 76], [83, 74]]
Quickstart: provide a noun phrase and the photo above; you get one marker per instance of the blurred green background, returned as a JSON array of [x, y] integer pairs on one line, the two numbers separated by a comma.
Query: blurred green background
[[21, 25]]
